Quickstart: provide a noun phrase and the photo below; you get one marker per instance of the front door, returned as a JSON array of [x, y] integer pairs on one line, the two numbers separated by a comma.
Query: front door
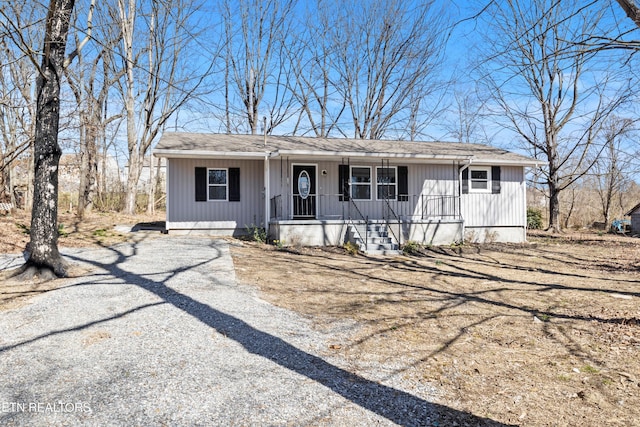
[[304, 191]]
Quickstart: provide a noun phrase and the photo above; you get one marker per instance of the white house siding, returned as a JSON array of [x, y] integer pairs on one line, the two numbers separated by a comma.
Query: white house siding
[[423, 181], [183, 212], [328, 204], [500, 217]]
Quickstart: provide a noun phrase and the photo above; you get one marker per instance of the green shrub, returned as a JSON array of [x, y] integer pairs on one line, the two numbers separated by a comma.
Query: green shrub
[[411, 247], [101, 232], [534, 219], [351, 248], [257, 233]]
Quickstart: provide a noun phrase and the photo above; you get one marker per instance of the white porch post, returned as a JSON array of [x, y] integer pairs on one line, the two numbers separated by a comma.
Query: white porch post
[[267, 194]]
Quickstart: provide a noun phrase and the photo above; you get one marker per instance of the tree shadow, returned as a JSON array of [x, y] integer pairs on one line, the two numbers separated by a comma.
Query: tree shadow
[[494, 298], [393, 404]]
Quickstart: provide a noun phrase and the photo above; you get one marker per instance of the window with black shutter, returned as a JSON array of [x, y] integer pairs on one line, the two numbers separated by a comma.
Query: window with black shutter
[[343, 183], [234, 184], [495, 179], [201, 184], [217, 184], [464, 185], [403, 183]]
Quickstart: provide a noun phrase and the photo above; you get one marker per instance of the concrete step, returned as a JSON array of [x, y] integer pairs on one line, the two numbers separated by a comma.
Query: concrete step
[[378, 240]]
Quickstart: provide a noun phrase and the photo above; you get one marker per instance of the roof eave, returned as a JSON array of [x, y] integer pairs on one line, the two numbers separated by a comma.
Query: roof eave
[[206, 154], [503, 162], [354, 154]]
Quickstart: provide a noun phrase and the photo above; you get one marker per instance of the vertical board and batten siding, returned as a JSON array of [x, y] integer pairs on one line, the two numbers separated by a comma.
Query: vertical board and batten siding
[[182, 205], [281, 180], [507, 209]]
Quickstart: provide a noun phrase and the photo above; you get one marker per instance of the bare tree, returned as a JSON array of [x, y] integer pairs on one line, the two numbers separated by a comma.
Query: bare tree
[[161, 74], [310, 53], [385, 53], [466, 124], [255, 36], [19, 33], [553, 93], [612, 170], [631, 9], [17, 111], [90, 82], [43, 246]]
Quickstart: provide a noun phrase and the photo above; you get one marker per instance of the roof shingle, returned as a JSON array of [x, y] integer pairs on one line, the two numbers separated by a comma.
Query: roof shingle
[[181, 144]]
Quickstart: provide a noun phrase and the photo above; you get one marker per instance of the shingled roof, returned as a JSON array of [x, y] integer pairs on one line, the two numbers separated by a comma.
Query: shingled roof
[[203, 145]]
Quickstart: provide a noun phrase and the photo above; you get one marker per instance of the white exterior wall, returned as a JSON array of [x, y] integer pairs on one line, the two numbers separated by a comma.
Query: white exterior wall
[[498, 217], [183, 212], [436, 179]]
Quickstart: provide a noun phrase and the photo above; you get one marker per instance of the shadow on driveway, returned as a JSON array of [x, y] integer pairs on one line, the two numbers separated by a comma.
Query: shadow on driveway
[[395, 405]]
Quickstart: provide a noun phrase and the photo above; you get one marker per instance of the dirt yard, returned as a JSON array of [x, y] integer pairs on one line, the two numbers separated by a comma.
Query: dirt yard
[[546, 333], [542, 334]]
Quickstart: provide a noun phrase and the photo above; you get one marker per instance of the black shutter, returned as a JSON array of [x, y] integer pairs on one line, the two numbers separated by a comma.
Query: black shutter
[[201, 184], [403, 183], [495, 179], [343, 183], [465, 181], [234, 184]]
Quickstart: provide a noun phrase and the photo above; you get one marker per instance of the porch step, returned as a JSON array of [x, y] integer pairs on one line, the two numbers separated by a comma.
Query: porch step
[[378, 241]]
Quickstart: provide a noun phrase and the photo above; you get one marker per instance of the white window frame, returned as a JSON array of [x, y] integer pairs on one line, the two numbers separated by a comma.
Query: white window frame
[[395, 184], [486, 169], [225, 185], [360, 184]]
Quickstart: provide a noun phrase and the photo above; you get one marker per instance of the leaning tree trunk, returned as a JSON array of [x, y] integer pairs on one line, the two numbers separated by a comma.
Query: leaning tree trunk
[[43, 247]]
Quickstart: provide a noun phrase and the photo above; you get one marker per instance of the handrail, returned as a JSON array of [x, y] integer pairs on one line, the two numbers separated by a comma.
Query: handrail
[[366, 224], [397, 218]]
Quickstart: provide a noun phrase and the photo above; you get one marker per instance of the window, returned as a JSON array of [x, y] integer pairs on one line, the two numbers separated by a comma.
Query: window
[[217, 184], [479, 180], [361, 183], [386, 183]]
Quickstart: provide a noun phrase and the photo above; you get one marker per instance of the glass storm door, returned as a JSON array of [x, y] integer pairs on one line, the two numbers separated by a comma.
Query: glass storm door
[[304, 191]]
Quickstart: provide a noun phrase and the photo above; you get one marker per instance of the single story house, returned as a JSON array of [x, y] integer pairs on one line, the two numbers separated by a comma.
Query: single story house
[[634, 213], [324, 191]]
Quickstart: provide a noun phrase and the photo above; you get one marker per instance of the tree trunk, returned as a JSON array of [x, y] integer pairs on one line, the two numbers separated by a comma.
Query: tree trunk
[[133, 176], [88, 172], [43, 247], [554, 208], [151, 194]]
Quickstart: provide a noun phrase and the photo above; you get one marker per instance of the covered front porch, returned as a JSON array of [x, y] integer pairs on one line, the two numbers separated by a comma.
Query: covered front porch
[[325, 220]]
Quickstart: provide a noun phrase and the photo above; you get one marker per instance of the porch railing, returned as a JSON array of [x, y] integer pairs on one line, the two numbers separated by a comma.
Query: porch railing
[[305, 207], [276, 207], [447, 207], [356, 215], [329, 206], [391, 215]]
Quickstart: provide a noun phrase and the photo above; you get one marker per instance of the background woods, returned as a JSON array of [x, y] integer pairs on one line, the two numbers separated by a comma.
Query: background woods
[[556, 83]]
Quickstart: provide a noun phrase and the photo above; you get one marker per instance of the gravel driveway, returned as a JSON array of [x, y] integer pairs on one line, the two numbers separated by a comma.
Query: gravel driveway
[[160, 333]]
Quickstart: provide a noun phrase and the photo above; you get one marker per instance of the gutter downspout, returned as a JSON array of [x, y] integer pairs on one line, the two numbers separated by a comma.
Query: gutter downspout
[[267, 192], [267, 189], [465, 166]]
